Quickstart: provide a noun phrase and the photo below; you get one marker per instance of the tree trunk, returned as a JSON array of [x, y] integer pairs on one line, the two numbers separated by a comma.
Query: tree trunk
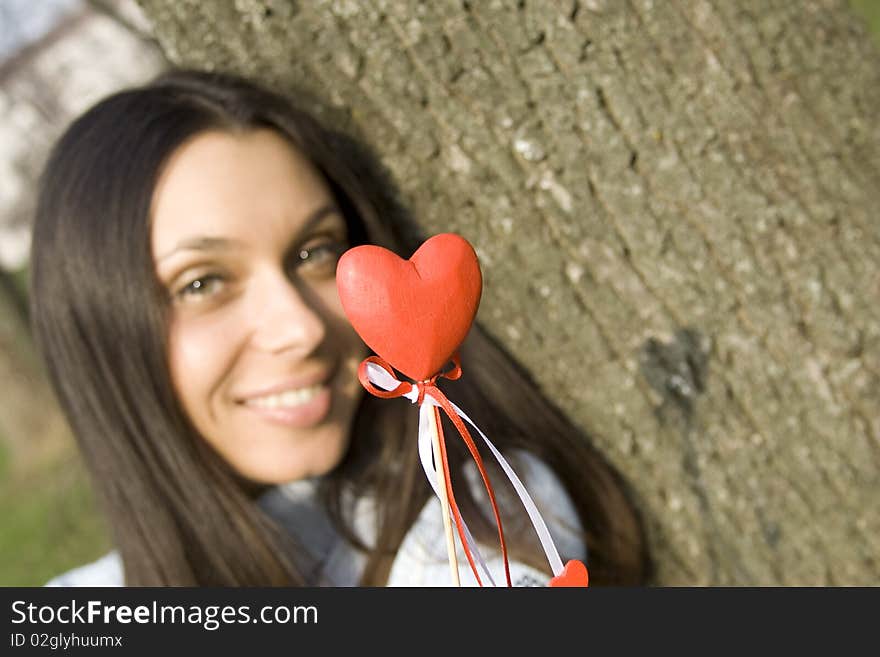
[[675, 208]]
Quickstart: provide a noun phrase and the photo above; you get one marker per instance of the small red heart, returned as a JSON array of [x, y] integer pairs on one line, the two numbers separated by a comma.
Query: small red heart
[[413, 313], [574, 574]]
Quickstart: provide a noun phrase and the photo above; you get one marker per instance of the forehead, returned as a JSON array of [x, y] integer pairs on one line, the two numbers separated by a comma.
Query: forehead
[[233, 185]]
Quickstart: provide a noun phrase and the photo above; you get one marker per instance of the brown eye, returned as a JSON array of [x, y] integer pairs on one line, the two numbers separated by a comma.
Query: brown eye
[[320, 257], [200, 287]]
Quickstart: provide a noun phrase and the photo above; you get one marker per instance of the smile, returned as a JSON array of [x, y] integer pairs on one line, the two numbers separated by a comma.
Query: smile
[[302, 408], [287, 399]]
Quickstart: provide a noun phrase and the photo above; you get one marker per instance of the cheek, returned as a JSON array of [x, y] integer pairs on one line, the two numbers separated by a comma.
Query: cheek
[[198, 354], [350, 343]]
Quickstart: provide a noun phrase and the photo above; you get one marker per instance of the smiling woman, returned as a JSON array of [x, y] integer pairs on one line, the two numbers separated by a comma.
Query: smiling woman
[[261, 355], [184, 300]]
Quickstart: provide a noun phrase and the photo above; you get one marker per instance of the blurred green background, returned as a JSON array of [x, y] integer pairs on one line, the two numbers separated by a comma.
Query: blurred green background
[[48, 519], [870, 10]]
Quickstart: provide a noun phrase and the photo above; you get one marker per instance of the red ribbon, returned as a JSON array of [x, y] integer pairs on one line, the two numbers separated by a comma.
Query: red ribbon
[[429, 386]]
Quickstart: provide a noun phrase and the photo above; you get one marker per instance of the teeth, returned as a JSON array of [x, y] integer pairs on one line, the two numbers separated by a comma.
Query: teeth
[[287, 399]]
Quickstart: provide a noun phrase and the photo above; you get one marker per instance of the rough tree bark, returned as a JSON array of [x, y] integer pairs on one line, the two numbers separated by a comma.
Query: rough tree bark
[[675, 207]]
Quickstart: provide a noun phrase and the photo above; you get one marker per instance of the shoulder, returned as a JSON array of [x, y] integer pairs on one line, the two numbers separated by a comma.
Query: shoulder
[[106, 571], [422, 559], [547, 492]]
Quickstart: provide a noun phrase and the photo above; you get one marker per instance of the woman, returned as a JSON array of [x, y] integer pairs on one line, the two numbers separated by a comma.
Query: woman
[[183, 297]]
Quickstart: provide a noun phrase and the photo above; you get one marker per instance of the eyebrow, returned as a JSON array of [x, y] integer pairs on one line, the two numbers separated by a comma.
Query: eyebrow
[[208, 243]]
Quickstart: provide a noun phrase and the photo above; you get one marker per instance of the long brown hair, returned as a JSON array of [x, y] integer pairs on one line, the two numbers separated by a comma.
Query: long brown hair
[[178, 512]]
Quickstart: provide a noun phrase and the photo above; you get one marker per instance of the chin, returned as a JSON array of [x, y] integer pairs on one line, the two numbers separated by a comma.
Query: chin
[[276, 471]]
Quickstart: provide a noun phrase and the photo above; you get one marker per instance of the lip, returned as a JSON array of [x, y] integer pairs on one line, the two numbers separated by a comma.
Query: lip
[[305, 381], [304, 416]]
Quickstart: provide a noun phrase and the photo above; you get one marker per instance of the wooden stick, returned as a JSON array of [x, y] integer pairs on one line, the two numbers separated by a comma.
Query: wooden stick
[[444, 500]]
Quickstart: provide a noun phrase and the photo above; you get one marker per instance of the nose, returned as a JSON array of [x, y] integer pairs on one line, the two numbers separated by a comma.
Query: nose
[[287, 319]]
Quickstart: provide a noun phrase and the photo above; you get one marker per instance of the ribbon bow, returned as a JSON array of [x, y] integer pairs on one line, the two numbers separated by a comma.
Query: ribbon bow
[[377, 376]]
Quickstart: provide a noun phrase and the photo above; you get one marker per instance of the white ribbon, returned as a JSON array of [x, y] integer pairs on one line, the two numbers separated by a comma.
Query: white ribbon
[[425, 454], [380, 377]]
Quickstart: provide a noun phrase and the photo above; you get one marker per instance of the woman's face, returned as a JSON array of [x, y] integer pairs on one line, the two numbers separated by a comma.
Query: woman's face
[[246, 237]]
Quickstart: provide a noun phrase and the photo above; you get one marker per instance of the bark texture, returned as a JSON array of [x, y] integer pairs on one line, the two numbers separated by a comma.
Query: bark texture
[[675, 208]]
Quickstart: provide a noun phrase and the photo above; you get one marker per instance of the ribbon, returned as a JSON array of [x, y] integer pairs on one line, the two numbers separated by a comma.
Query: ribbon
[[376, 375]]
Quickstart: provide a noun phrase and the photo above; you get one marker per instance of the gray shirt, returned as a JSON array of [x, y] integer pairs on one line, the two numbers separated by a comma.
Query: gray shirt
[[422, 558]]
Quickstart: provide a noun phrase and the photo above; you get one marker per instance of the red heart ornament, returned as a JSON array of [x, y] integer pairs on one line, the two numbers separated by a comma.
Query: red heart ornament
[[574, 574], [413, 313]]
